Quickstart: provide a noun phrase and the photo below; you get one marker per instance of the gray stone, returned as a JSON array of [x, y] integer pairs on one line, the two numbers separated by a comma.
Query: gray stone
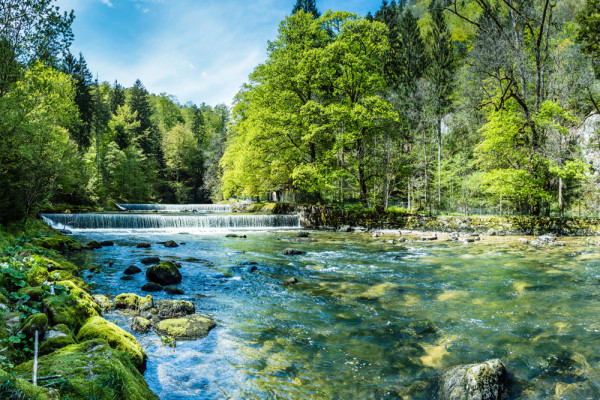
[[132, 270], [345, 228], [140, 325], [292, 252], [292, 281], [171, 243], [174, 308], [485, 381]]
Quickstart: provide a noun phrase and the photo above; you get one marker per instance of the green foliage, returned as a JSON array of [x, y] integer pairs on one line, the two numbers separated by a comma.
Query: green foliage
[[589, 32]]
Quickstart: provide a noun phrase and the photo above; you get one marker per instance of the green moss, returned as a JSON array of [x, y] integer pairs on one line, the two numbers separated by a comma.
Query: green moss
[[76, 289], [119, 339], [56, 242], [36, 322], [130, 301], [190, 327], [55, 343], [53, 265], [69, 310], [16, 388], [35, 293], [37, 275], [94, 370]]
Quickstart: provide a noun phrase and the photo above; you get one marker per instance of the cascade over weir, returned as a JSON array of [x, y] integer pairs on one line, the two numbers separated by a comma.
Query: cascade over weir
[[217, 218]]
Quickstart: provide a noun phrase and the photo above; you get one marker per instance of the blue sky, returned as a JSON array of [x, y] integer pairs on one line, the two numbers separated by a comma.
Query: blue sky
[[196, 50]]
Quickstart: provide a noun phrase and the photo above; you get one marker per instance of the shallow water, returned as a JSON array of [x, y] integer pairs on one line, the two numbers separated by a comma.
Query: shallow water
[[368, 319]]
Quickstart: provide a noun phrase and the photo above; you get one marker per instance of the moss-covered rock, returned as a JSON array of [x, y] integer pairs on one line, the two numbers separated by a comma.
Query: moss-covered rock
[[94, 370], [140, 324], [36, 322], [55, 343], [76, 289], [189, 327], [12, 387], [474, 382], [165, 273], [53, 265], [94, 245], [174, 308], [103, 302], [69, 310], [119, 339], [131, 301], [59, 243], [35, 293]]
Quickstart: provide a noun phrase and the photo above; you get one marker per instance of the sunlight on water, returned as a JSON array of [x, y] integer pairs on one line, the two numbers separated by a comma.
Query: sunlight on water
[[368, 319]]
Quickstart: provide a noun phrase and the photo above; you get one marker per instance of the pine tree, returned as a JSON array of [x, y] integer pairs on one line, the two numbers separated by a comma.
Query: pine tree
[[389, 14], [82, 78], [116, 97], [308, 6], [145, 134]]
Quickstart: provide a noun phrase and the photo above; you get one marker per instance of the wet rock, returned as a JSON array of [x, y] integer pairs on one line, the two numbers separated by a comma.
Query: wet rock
[[375, 235], [152, 287], [345, 228], [165, 273], [486, 381], [491, 232], [233, 235], [174, 308], [150, 260], [292, 252], [143, 245], [292, 281], [131, 301], [171, 243], [302, 235], [252, 269], [140, 325], [107, 243], [467, 240], [429, 238], [402, 240], [174, 290], [70, 310], [546, 239], [189, 327], [132, 270], [103, 302], [94, 245], [127, 278]]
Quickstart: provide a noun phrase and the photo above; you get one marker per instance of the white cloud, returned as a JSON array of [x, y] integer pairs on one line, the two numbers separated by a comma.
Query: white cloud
[[107, 2]]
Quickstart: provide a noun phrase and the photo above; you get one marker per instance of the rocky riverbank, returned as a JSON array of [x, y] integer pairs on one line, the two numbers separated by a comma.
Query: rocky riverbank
[[332, 218], [81, 355]]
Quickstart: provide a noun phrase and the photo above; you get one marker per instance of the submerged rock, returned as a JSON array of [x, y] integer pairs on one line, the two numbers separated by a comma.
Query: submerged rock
[[189, 327], [174, 308], [171, 243], [143, 245], [486, 381], [152, 287], [94, 245], [150, 260], [429, 238], [292, 252], [107, 243], [302, 235], [165, 273], [345, 228], [174, 290], [132, 270], [292, 281]]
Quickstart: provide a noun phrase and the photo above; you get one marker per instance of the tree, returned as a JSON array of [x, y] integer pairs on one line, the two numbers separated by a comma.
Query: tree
[[123, 126], [589, 32], [440, 75], [116, 97], [308, 6], [146, 135]]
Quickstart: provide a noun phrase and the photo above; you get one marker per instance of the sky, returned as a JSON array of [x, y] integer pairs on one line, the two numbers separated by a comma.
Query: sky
[[196, 50]]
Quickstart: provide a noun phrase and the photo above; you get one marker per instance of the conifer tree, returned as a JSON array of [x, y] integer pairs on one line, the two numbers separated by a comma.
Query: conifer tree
[[82, 78], [308, 6], [145, 133], [116, 97]]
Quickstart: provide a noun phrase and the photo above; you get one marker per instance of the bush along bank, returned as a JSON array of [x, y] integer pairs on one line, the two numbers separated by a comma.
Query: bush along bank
[[41, 291], [335, 218]]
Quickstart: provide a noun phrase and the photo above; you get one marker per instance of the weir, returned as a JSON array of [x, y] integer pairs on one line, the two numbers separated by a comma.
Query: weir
[[214, 208], [142, 221]]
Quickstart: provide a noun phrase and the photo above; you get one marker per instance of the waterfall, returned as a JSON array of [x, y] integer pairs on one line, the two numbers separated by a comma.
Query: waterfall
[[215, 208], [158, 221]]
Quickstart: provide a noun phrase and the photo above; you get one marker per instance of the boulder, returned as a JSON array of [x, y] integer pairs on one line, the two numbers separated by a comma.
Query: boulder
[[36, 322], [131, 301], [189, 327], [132, 270], [140, 325], [152, 287], [143, 245], [292, 252], [302, 235], [523, 240], [174, 308], [35, 293], [174, 290], [89, 366], [486, 381], [150, 260], [165, 273], [107, 243], [56, 338], [170, 243], [117, 338], [69, 310], [546, 239], [94, 245], [103, 302]]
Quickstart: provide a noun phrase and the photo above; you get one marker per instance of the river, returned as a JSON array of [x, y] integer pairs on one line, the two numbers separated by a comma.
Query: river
[[367, 319]]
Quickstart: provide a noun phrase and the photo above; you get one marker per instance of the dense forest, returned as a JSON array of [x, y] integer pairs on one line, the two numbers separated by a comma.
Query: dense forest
[[436, 106]]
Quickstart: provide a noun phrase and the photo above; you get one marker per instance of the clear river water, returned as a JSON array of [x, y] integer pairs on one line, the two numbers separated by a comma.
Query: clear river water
[[368, 319]]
